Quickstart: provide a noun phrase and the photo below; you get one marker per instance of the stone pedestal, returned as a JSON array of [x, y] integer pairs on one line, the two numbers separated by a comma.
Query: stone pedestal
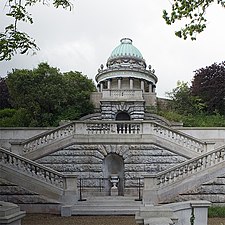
[[114, 191], [179, 213], [155, 215], [114, 179], [10, 214]]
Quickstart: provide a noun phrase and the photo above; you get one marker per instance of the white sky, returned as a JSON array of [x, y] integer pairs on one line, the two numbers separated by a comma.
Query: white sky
[[84, 38]]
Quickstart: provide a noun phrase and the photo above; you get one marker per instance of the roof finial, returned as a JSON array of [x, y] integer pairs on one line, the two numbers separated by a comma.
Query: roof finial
[[126, 41]]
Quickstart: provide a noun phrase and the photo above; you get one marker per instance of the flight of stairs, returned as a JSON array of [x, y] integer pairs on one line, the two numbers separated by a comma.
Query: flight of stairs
[[107, 205]]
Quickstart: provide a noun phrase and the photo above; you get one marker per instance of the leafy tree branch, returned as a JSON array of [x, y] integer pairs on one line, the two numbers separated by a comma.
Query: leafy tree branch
[[194, 12], [12, 40]]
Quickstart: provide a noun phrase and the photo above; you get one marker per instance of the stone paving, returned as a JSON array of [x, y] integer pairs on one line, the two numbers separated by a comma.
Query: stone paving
[[46, 219]]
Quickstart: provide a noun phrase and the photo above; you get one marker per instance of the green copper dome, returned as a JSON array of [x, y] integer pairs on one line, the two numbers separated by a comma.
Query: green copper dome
[[126, 49]]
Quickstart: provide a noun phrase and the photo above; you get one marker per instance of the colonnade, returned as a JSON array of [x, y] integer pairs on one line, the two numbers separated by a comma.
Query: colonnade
[[108, 85]]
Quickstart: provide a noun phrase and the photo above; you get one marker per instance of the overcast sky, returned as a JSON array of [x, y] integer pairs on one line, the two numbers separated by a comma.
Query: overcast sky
[[84, 38]]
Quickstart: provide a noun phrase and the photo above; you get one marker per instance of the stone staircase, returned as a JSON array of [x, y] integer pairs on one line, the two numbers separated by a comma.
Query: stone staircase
[[204, 165], [168, 184], [107, 205], [38, 178]]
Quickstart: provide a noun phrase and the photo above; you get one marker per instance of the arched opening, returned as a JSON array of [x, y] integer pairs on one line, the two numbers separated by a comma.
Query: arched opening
[[123, 127], [124, 116], [114, 164]]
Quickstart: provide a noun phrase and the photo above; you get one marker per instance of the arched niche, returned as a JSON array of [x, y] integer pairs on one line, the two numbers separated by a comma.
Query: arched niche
[[122, 116], [114, 164]]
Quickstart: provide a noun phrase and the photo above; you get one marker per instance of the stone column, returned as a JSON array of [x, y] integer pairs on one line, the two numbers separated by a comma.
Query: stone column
[[119, 82], [150, 87], [109, 84], [153, 88], [131, 83], [98, 88], [142, 85], [101, 86]]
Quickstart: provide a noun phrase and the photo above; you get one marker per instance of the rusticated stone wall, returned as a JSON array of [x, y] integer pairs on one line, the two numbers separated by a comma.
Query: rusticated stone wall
[[109, 109], [213, 191], [87, 161], [27, 200]]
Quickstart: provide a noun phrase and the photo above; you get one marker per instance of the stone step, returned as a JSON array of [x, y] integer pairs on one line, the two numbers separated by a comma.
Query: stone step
[[107, 206]]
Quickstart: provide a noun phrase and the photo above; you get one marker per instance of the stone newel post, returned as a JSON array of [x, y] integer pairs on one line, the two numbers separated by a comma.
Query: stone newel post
[[70, 194], [17, 147], [150, 192]]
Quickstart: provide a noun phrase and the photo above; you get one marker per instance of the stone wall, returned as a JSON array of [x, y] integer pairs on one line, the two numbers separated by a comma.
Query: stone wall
[[29, 201], [17, 134], [87, 161], [134, 109], [213, 191], [210, 134]]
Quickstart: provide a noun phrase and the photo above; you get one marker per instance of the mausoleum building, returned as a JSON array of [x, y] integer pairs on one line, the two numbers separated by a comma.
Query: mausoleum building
[[121, 153], [126, 87]]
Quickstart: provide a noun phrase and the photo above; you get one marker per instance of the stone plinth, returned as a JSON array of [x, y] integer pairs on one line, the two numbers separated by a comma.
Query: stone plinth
[[10, 213], [180, 213], [155, 215]]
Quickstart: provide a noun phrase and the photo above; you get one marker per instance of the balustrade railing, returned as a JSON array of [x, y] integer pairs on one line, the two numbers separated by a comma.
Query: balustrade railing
[[103, 186], [114, 127], [127, 94], [188, 168], [48, 137], [178, 137], [32, 168]]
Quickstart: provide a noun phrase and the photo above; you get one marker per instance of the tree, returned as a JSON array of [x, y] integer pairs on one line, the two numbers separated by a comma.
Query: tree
[[49, 96], [12, 40], [209, 85], [183, 101], [194, 11], [4, 94]]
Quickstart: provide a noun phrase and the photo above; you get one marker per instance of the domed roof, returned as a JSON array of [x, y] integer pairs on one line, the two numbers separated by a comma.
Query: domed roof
[[125, 49]]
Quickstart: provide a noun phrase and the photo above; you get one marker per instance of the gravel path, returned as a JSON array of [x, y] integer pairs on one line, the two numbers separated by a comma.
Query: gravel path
[[46, 219]]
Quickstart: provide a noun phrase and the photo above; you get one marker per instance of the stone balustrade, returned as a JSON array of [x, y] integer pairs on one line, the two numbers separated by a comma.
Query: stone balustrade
[[33, 169], [178, 137], [48, 137], [185, 169], [112, 128], [125, 94]]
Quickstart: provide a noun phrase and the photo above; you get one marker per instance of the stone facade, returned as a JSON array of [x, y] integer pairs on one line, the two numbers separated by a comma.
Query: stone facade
[[110, 109]]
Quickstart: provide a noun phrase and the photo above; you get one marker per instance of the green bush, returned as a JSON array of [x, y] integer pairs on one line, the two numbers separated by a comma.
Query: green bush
[[216, 211], [197, 120], [14, 118]]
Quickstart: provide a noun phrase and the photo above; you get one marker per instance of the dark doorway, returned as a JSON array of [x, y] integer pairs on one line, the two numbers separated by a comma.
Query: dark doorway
[[114, 164], [123, 128], [124, 116]]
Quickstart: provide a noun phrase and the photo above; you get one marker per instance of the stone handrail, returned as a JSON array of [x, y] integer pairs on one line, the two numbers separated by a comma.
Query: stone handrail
[[48, 137], [178, 137], [33, 169], [186, 169], [110, 128]]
